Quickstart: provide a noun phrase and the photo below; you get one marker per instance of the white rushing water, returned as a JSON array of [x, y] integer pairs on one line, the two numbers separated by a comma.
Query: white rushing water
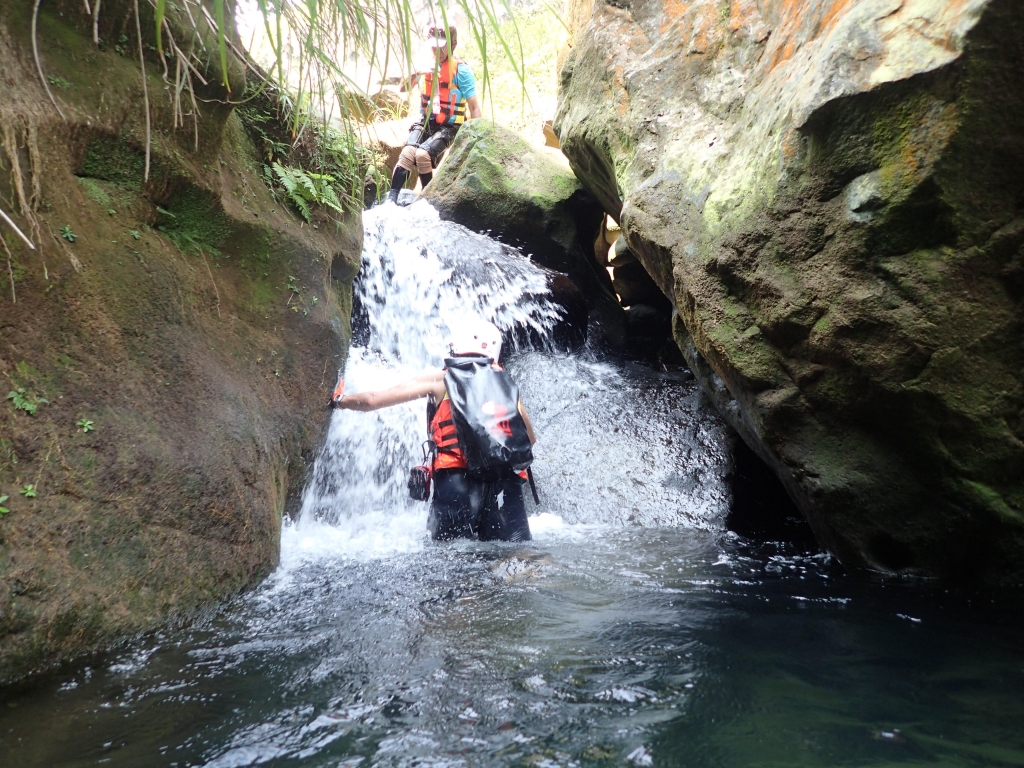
[[421, 278]]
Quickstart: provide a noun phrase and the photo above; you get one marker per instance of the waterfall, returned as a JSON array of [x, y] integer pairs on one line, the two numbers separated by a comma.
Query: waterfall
[[617, 446]]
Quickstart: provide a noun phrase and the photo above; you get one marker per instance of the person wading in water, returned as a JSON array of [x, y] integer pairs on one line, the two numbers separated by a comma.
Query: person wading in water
[[443, 107], [477, 462]]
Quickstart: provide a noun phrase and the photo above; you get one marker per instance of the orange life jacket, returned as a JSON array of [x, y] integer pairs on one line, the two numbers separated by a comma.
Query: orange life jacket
[[449, 106], [442, 432]]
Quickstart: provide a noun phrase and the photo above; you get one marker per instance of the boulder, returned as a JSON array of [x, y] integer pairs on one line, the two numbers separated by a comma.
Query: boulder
[[604, 242], [390, 105], [550, 138], [830, 192], [387, 138], [492, 180], [620, 255], [384, 106]]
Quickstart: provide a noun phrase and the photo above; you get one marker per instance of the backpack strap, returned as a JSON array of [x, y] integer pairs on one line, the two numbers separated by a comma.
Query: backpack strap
[[533, 485]]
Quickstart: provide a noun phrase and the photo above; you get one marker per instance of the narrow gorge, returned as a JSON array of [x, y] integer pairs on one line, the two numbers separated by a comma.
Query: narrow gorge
[[759, 279]]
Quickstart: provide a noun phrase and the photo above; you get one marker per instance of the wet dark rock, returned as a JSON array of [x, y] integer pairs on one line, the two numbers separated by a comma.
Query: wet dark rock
[[571, 331], [635, 286], [830, 193], [649, 334], [645, 320], [620, 254]]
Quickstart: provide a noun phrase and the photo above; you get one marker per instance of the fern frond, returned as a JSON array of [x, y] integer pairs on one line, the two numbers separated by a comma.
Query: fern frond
[[307, 184], [303, 208], [330, 199]]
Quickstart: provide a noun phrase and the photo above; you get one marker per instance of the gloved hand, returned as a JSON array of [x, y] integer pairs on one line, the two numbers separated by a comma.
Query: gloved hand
[[414, 135], [338, 394]]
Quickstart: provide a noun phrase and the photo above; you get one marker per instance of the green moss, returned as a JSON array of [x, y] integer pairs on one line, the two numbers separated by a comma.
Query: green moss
[[261, 296], [17, 265], [27, 374], [891, 128], [113, 159], [94, 190], [194, 221], [8, 458], [993, 501]]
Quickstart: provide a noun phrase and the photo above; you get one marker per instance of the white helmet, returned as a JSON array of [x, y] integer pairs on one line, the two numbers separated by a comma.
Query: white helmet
[[477, 337]]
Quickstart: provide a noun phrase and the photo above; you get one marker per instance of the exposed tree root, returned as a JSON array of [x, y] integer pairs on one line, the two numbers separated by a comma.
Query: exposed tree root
[[96, 22], [35, 52], [10, 270], [26, 203], [145, 89]]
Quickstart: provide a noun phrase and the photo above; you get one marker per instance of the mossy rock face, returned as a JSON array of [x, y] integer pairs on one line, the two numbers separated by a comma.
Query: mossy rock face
[[492, 180], [179, 329], [831, 197]]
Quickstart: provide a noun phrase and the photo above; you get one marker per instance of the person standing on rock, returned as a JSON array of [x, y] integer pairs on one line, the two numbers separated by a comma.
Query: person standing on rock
[[446, 94], [476, 496]]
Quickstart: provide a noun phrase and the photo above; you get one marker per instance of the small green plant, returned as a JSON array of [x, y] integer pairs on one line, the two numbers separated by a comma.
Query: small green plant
[[85, 425], [59, 82], [111, 212], [23, 400], [134, 233], [305, 187], [28, 491], [121, 47], [67, 234], [3, 510]]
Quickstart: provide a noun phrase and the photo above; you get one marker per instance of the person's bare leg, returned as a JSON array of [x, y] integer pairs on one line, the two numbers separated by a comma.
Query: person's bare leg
[[425, 166], [406, 162]]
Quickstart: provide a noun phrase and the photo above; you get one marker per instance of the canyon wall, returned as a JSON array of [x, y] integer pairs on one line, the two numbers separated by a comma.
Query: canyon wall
[[169, 345], [830, 195]]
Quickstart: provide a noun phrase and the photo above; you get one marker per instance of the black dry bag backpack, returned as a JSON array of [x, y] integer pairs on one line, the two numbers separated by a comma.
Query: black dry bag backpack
[[485, 409]]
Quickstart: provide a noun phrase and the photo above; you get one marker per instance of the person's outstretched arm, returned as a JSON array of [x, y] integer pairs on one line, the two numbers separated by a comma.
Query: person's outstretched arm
[[421, 386]]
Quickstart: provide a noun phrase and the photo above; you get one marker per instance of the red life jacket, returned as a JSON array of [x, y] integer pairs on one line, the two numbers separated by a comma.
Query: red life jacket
[[442, 433], [449, 106]]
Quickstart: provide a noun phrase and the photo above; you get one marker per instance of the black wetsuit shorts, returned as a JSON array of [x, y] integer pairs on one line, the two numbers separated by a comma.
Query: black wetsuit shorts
[[473, 509], [436, 139]]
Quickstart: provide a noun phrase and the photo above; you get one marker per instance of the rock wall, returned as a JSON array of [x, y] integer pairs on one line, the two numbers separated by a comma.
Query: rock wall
[[830, 192], [177, 339]]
